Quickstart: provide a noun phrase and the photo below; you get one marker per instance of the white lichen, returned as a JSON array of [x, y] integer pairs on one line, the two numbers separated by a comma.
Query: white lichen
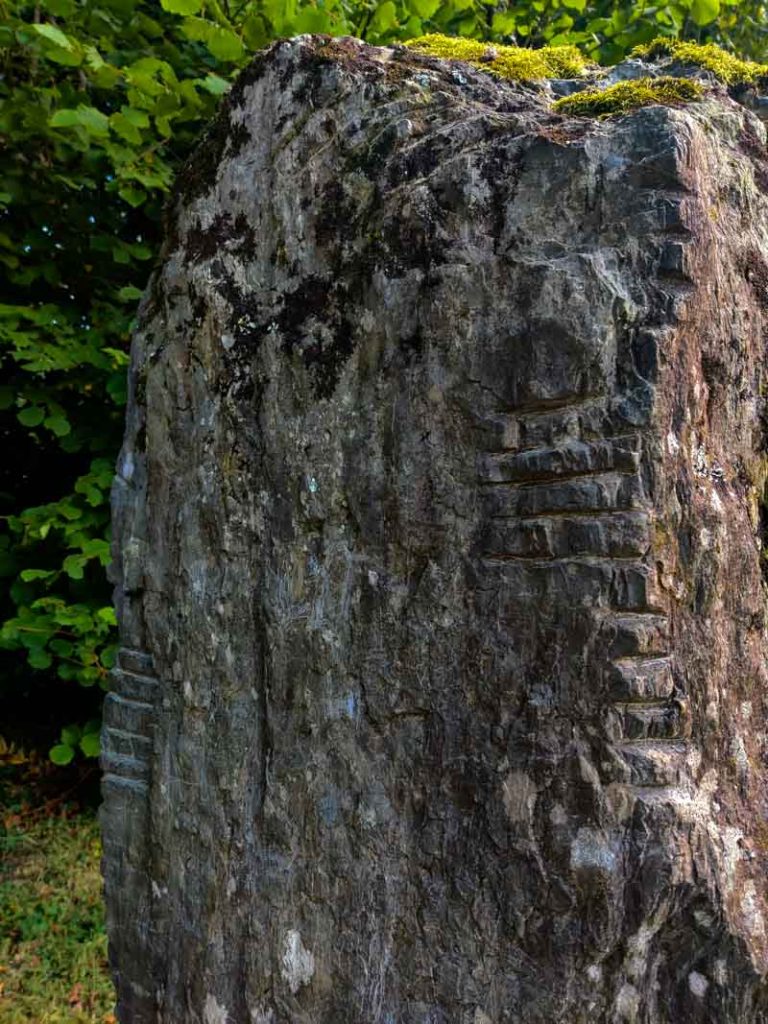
[[698, 984], [298, 963], [213, 1012]]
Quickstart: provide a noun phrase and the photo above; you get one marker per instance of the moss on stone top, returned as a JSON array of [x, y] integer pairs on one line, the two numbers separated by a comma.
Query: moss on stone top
[[725, 66], [626, 96], [513, 62]]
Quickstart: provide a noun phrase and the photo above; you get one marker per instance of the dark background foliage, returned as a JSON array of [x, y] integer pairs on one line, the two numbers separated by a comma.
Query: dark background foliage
[[100, 101]]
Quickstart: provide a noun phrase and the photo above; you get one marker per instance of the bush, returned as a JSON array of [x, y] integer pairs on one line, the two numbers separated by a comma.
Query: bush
[[101, 101]]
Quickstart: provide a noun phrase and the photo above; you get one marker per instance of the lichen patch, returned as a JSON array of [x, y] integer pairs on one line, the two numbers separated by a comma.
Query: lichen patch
[[213, 1012], [298, 963]]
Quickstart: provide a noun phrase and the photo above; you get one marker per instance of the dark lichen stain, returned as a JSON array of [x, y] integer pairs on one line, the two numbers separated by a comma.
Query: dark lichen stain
[[502, 167], [248, 76], [197, 303], [418, 161], [312, 324], [754, 268], [236, 236], [413, 345], [203, 244], [199, 171], [246, 236], [247, 317], [221, 138], [318, 302], [754, 147], [332, 210]]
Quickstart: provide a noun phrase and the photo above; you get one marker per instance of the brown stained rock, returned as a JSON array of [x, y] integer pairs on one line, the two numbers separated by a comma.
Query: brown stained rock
[[442, 696]]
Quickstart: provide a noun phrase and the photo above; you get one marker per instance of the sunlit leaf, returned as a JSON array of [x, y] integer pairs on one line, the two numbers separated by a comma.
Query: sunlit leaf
[[704, 11], [54, 35], [225, 44], [181, 6]]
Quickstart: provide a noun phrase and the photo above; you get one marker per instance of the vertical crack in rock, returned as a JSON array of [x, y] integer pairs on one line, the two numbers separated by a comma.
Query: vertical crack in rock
[[442, 689]]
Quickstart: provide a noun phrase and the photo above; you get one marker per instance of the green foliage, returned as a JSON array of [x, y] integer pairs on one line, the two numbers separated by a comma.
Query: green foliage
[[100, 101], [73, 738], [626, 96]]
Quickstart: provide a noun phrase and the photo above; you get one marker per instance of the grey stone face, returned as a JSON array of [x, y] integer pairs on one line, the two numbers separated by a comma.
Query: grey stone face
[[442, 691]]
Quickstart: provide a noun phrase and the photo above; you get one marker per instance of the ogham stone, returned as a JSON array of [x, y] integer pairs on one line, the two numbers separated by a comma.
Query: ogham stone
[[441, 696]]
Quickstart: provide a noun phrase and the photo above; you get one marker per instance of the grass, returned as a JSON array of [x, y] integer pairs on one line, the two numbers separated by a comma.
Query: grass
[[53, 966]]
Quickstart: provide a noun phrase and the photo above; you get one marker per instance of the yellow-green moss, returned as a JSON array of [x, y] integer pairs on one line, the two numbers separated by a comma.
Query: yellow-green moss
[[727, 68], [626, 96], [513, 62]]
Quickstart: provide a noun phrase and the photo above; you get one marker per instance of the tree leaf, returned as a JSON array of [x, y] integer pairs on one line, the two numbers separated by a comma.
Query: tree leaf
[[31, 416], [181, 6], [73, 566], [70, 735], [704, 11], [58, 425], [54, 35], [132, 195], [29, 575], [385, 16], [225, 45], [139, 118], [39, 658], [425, 8], [66, 118], [215, 85], [120, 124], [94, 122], [90, 744], [61, 754]]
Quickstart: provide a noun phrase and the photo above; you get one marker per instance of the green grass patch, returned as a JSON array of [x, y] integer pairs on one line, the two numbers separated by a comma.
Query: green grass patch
[[626, 96], [53, 966]]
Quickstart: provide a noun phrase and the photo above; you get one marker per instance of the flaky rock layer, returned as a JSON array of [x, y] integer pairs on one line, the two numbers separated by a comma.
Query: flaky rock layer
[[442, 694]]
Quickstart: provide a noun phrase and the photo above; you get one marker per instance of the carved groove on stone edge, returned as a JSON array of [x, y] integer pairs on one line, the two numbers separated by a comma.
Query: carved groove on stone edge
[[129, 713], [595, 483]]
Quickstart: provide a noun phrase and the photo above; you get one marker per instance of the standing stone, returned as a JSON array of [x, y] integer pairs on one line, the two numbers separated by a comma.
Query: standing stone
[[442, 689]]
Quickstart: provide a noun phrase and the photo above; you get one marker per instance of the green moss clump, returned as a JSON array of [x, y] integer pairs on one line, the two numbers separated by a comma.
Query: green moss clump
[[512, 62], [727, 68], [626, 96]]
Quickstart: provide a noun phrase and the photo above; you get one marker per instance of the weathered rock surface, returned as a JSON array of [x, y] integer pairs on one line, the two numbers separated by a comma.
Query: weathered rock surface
[[442, 696]]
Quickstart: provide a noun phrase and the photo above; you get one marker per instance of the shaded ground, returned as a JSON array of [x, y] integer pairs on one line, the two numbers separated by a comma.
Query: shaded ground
[[53, 965]]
